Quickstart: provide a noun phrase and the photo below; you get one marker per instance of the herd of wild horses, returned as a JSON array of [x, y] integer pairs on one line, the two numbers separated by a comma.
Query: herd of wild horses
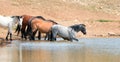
[[29, 25]]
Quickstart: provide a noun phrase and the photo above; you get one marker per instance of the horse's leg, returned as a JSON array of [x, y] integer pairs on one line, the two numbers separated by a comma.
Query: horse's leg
[[23, 31], [54, 34], [22, 34], [50, 36], [39, 35], [31, 36], [32, 31], [34, 34], [47, 34], [9, 31], [75, 39], [72, 36], [7, 36], [11, 36], [19, 29]]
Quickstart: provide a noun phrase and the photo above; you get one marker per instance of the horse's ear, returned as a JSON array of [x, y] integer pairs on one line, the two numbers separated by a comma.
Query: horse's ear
[[20, 16], [83, 25], [12, 16]]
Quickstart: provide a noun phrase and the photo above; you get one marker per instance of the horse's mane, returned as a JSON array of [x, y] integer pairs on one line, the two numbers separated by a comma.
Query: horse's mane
[[52, 21], [76, 27], [41, 17], [30, 20], [34, 16]]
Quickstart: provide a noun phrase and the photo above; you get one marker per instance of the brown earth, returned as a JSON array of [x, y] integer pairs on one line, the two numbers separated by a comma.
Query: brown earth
[[65, 12]]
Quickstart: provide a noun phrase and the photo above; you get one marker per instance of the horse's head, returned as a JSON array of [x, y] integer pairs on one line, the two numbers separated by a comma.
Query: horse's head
[[79, 27], [82, 28], [16, 18]]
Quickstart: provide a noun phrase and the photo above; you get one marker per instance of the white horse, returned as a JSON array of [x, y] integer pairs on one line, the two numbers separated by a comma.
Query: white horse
[[9, 22], [67, 33]]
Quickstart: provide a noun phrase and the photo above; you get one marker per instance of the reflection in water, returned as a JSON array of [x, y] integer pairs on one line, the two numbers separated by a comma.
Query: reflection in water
[[5, 55], [52, 52], [86, 50], [9, 53]]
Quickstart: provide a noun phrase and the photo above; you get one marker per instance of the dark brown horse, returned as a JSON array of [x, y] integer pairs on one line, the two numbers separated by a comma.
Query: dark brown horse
[[23, 29], [41, 25], [25, 24]]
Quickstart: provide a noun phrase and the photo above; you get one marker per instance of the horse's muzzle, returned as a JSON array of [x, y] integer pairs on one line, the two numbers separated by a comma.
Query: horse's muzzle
[[85, 33]]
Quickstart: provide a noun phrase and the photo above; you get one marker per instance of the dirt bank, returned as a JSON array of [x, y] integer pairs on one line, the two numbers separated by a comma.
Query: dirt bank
[[65, 13]]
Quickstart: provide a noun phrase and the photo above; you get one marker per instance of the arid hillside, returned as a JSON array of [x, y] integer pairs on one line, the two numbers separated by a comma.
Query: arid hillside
[[63, 9], [102, 17]]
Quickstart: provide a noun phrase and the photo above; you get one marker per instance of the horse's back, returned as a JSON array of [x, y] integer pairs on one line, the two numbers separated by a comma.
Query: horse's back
[[26, 19], [4, 21], [43, 26], [63, 31], [59, 27]]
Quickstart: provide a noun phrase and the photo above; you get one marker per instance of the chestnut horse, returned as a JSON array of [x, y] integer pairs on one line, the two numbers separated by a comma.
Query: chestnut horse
[[24, 25], [43, 26]]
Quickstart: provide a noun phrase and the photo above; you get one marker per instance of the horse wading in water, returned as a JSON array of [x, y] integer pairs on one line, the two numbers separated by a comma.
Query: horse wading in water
[[41, 25], [24, 24], [67, 33]]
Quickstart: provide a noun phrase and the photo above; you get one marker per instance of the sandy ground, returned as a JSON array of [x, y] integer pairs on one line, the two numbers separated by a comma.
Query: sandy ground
[[67, 17]]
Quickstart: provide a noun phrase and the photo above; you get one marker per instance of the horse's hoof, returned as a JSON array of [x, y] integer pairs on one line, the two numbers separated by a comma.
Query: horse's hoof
[[77, 40], [10, 39], [6, 39], [39, 39]]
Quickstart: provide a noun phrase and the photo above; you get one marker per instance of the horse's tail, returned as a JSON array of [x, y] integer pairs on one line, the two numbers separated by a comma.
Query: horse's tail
[[29, 28], [18, 28]]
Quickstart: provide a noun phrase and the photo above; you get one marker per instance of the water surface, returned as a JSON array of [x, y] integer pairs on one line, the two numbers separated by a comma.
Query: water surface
[[86, 50]]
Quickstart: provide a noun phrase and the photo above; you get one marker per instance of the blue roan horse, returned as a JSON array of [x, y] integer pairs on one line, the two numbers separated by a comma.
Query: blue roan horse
[[67, 33]]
